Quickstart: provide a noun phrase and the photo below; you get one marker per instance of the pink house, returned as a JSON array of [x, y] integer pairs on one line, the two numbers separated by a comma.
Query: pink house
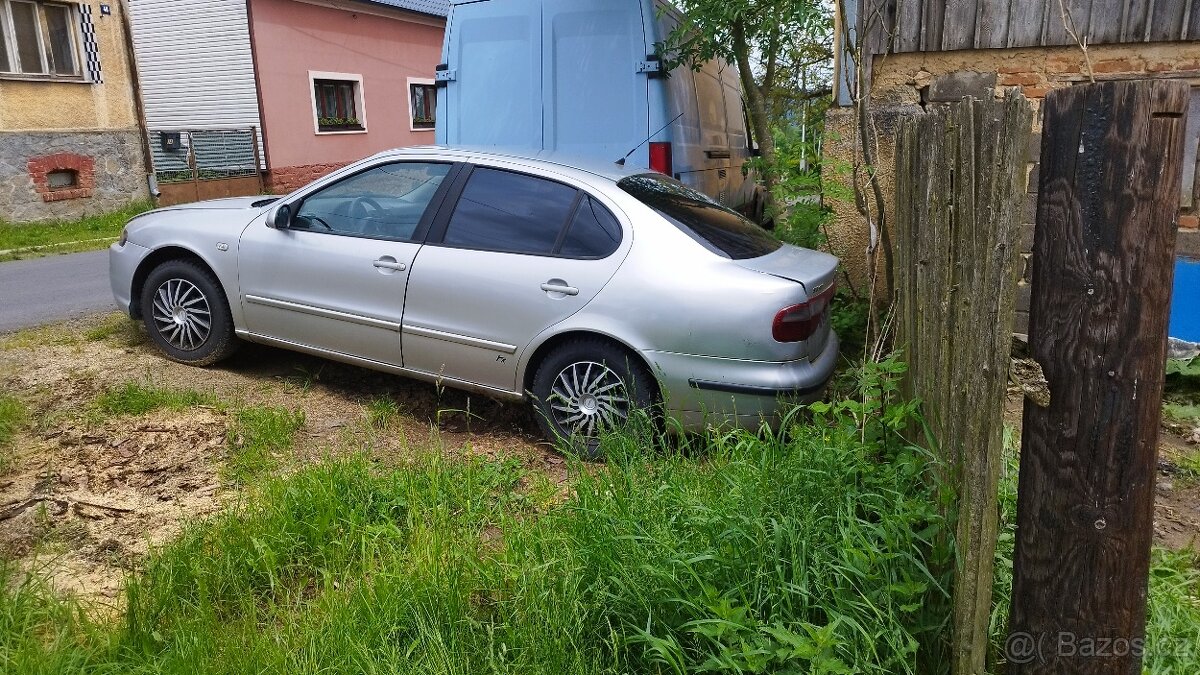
[[242, 95], [340, 80]]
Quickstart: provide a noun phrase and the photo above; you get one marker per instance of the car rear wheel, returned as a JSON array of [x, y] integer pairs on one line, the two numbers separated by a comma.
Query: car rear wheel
[[186, 314], [587, 387]]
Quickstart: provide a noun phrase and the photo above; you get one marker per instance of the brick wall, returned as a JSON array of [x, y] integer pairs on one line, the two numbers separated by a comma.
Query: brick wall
[[286, 179], [82, 166]]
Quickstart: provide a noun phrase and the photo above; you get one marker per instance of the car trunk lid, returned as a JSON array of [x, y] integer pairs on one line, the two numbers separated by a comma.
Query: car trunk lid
[[815, 271]]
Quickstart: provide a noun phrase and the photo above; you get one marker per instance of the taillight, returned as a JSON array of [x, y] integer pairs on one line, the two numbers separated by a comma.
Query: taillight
[[660, 158], [799, 322]]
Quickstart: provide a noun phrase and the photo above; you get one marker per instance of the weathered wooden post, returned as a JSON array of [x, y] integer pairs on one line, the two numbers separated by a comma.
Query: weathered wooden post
[[1103, 263], [960, 179]]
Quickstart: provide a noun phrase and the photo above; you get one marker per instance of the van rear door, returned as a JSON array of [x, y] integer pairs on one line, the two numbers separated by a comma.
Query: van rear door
[[594, 97], [493, 57]]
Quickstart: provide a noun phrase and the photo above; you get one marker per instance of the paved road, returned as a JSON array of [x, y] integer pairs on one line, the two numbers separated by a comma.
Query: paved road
[[54, 288]]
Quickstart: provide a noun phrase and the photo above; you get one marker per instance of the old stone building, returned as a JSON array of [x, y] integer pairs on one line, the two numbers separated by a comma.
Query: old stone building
[[923, 53], [70, 143]]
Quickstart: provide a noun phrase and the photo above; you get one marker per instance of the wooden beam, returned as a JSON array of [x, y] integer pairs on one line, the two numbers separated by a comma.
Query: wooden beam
[[1103, 266]]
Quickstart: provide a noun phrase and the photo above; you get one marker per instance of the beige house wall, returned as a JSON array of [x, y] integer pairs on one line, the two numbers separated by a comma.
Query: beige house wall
[[899, 81], [76, 106]]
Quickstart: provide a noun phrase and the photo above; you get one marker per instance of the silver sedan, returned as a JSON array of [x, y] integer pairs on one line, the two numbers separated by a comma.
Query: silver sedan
[[590, 291]]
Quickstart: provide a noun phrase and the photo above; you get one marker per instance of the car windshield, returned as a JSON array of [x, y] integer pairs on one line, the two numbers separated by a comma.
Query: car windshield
[[719, 229]]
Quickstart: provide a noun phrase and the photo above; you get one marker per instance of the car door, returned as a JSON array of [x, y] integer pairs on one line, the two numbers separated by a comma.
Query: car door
[[334, 280], [517, 254]]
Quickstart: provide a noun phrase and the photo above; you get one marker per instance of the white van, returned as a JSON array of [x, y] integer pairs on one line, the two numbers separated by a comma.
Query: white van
[[581, 78]]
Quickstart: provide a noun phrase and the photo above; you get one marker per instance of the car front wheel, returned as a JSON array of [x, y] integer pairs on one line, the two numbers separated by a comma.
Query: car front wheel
[[186, 314], [587, 387]]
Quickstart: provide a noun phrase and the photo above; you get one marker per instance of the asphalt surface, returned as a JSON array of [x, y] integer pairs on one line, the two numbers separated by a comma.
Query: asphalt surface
[[51, 289]]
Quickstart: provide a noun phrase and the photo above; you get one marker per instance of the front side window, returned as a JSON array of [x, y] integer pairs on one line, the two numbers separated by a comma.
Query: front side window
[[39, 38], [510, 212], [338, 105], [721, 230], [386, 202], [423, 98]]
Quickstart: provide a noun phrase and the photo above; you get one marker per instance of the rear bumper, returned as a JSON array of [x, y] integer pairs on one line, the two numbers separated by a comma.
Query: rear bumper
[[703, 391]]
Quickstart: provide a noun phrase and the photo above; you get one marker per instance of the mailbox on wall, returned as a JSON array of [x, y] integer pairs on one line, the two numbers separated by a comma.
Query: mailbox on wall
[[171, 141]]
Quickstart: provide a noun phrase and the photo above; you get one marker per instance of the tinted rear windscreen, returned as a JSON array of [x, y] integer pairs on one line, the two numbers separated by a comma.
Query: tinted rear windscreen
[[717, 228]]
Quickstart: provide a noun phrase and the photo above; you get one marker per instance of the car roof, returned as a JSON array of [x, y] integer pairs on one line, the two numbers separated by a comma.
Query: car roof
[[548, 160]]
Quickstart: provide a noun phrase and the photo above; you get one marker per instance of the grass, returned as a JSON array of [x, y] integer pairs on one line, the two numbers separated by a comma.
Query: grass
[[116, 326], [382, 413], [257, 438], [135, 398], [12, 416], [16, 240], [805, 551]]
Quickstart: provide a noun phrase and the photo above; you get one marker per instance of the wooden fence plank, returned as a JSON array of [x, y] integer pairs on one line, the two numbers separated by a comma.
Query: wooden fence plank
[[1166, 20], [1056, 29], [933, 18], [1135, 20], [1104, 23], [992, 31], [959, 186], [908, 25], [1193, 23], [958, 24], [1025, 22], [1103, 263]]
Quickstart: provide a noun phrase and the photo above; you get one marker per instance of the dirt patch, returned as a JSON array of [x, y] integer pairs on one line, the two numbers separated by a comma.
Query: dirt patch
[[90, 494]]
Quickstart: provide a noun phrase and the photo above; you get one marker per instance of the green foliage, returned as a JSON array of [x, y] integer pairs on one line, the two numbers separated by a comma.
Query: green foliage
[[1184, 368], [135, 398], [382, 412], [12, 416], [803, 551], [90, 232], [257, 437], [339, 122]]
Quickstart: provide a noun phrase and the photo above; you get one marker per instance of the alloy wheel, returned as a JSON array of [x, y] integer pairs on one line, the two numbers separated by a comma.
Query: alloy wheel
[[587, 397], [182, 314]]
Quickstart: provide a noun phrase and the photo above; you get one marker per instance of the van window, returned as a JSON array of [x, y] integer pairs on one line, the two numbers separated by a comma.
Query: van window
[[719, 229]]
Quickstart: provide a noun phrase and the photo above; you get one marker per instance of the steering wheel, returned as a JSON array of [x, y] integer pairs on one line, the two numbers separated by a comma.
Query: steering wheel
[[359, 209]]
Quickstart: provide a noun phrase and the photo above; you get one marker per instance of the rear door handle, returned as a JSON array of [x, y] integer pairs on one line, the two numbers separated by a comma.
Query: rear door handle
[[389, 263], [560, 288]]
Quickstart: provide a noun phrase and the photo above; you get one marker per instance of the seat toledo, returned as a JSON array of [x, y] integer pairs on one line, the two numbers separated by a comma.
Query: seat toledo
[[589, 290]]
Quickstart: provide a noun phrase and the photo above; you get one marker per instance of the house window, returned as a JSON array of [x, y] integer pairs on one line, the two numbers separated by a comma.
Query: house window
[[422, 96], [338, 103], [39, 39]]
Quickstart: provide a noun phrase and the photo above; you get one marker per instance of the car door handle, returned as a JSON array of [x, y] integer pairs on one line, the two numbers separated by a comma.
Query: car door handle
[[390, 264], [560, 288]]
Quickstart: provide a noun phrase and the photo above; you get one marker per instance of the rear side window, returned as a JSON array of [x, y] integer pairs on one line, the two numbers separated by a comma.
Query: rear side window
[[720, 230], [510, 212], [593, 233]]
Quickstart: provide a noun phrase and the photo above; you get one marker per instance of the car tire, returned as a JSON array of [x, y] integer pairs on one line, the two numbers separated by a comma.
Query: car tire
[[585, 387], [178, 300]]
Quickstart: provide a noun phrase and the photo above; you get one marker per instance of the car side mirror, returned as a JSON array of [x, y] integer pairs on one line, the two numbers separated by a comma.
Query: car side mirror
[[281, 219]]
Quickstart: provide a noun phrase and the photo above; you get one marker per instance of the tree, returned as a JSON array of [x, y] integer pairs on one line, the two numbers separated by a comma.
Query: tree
[[780, 48]]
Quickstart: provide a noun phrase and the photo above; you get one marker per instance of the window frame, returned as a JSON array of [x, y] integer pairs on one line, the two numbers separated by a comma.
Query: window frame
[[414, 82], [360, 102], [12, 52], [441, 222]]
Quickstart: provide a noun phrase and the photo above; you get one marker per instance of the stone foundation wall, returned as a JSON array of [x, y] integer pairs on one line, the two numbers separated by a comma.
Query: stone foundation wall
[[283, 180], [109, 166], [903, 83]]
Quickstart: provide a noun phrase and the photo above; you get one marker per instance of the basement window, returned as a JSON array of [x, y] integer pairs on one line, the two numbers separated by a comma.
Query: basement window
[[62, 179]]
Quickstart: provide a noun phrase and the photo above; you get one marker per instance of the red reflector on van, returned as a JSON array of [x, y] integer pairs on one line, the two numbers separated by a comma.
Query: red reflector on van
[[660, 158], [799, 322]]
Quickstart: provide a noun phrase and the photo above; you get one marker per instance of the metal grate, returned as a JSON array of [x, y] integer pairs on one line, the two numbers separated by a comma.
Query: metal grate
[[204, 154]]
